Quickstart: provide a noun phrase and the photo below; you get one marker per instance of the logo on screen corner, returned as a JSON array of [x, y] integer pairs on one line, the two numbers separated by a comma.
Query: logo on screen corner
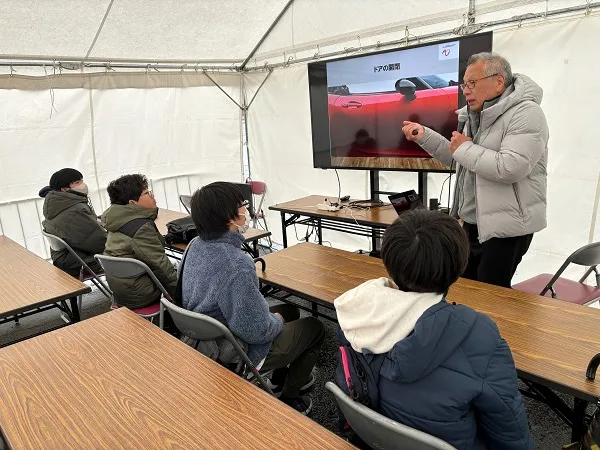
[[448, 51]]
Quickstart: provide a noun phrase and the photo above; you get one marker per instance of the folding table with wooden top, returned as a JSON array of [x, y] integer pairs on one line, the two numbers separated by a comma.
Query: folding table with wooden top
[[116, 381], [29, 284], [304, 211]]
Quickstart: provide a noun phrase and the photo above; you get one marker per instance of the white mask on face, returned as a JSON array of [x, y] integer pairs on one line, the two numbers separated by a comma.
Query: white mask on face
[[243, 228], [82, 188]]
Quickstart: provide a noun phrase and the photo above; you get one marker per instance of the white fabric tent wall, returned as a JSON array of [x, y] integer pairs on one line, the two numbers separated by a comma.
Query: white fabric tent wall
[[280, 146], [555, 54], [179, 137]]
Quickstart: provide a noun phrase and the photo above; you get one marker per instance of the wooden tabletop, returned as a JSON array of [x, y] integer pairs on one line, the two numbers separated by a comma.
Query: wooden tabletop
[[28, 281], [307, 206], [552, 341], [166, 215], [116, 381]]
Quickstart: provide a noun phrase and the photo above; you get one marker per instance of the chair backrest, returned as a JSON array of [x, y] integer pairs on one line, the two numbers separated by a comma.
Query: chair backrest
[[57, 244], [186, 201], [198, 326], [588, 255], [204, 328], [258, 187], [380, 432], [128, 268]]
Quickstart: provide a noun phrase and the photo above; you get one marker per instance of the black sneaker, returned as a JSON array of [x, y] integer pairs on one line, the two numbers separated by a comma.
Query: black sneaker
[[302, 404], [277, 389]]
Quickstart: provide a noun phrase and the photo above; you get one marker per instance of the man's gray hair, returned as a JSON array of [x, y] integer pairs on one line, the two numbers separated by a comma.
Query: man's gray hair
[[494, 64]]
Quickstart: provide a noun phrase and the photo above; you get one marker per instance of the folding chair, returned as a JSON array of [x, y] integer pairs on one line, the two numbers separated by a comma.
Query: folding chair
[[85, 274], [565, 289], [378, 431], [259, 189], [130, 268], [204, 328], [186, 201]]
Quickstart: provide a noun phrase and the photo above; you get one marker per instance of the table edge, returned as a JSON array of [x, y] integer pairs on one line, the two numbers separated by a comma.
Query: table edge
[[84, 290]]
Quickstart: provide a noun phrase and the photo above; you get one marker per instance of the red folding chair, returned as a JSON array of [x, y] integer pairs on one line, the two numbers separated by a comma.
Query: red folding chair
[[564, 289]]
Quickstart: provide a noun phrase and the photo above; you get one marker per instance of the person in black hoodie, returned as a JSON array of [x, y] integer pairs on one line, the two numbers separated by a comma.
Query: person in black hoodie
[[68, 214]]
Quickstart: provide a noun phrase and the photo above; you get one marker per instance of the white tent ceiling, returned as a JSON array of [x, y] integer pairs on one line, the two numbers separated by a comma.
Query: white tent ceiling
[[136, 29], [227, 30]]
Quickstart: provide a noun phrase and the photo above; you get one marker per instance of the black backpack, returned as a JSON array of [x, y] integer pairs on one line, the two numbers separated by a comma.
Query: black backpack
[[181, 231], [357, 374]]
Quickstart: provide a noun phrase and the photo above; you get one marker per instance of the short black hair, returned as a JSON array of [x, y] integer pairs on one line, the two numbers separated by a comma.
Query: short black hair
[[425, 251], [64, 177], [125, 188], [213, 206]]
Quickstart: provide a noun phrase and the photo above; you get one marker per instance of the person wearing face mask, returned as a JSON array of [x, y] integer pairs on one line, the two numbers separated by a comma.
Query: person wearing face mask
[[69, 214], [501, 157], [132, 233], [219, 280]]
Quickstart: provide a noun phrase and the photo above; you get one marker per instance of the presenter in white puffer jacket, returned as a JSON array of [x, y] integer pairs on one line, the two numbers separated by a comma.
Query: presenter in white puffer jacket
[[501, 159]]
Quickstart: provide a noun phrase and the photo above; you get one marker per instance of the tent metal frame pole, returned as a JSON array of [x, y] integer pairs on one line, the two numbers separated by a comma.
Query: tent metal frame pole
[[440, 34], [111, 66], [223, 90], [76, 59], [244, 129], [245, 114], [99, 30], [245, 119], [471, 13], [262, 39], [259, 88]]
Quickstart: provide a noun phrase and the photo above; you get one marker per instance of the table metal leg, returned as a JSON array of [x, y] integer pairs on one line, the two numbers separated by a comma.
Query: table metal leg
[[579, 425], [75, 310], [284, 230], [320, 231], [574, 418], [255, 248], [315, 309]]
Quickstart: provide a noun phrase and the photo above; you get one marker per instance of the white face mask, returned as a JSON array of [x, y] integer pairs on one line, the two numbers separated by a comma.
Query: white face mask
[[82, 188], [243, 228]]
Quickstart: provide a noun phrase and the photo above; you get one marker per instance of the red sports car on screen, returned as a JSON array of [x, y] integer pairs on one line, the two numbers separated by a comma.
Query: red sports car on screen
[[370, 123]]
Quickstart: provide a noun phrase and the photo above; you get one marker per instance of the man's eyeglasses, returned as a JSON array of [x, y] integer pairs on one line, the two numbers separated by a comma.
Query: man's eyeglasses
[[471, 83], [149, 193], [244, 203]]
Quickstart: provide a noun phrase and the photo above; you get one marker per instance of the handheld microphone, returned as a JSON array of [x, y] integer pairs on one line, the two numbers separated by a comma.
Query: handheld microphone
[[461, 125], [415, 132], [462, 121]]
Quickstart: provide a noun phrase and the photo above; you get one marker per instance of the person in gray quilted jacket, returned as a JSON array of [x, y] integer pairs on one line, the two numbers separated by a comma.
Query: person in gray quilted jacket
[[500, 153]]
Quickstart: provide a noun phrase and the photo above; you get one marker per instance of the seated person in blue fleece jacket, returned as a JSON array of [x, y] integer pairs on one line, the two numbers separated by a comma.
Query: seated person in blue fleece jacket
[[219, 280], [448, 372]]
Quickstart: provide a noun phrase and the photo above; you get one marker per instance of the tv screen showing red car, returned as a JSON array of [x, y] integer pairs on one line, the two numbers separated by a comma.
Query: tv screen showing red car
[[358, 103]]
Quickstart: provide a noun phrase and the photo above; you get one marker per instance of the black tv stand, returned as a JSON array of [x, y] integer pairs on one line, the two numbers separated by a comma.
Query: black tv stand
[[374, 186], [375, 192]]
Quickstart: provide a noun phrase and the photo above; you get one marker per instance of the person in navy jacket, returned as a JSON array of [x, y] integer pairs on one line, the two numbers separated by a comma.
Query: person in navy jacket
[[448, 372]]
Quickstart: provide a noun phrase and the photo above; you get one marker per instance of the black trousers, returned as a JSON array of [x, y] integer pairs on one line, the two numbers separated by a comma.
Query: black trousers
[[297, 346], [496, 260]]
